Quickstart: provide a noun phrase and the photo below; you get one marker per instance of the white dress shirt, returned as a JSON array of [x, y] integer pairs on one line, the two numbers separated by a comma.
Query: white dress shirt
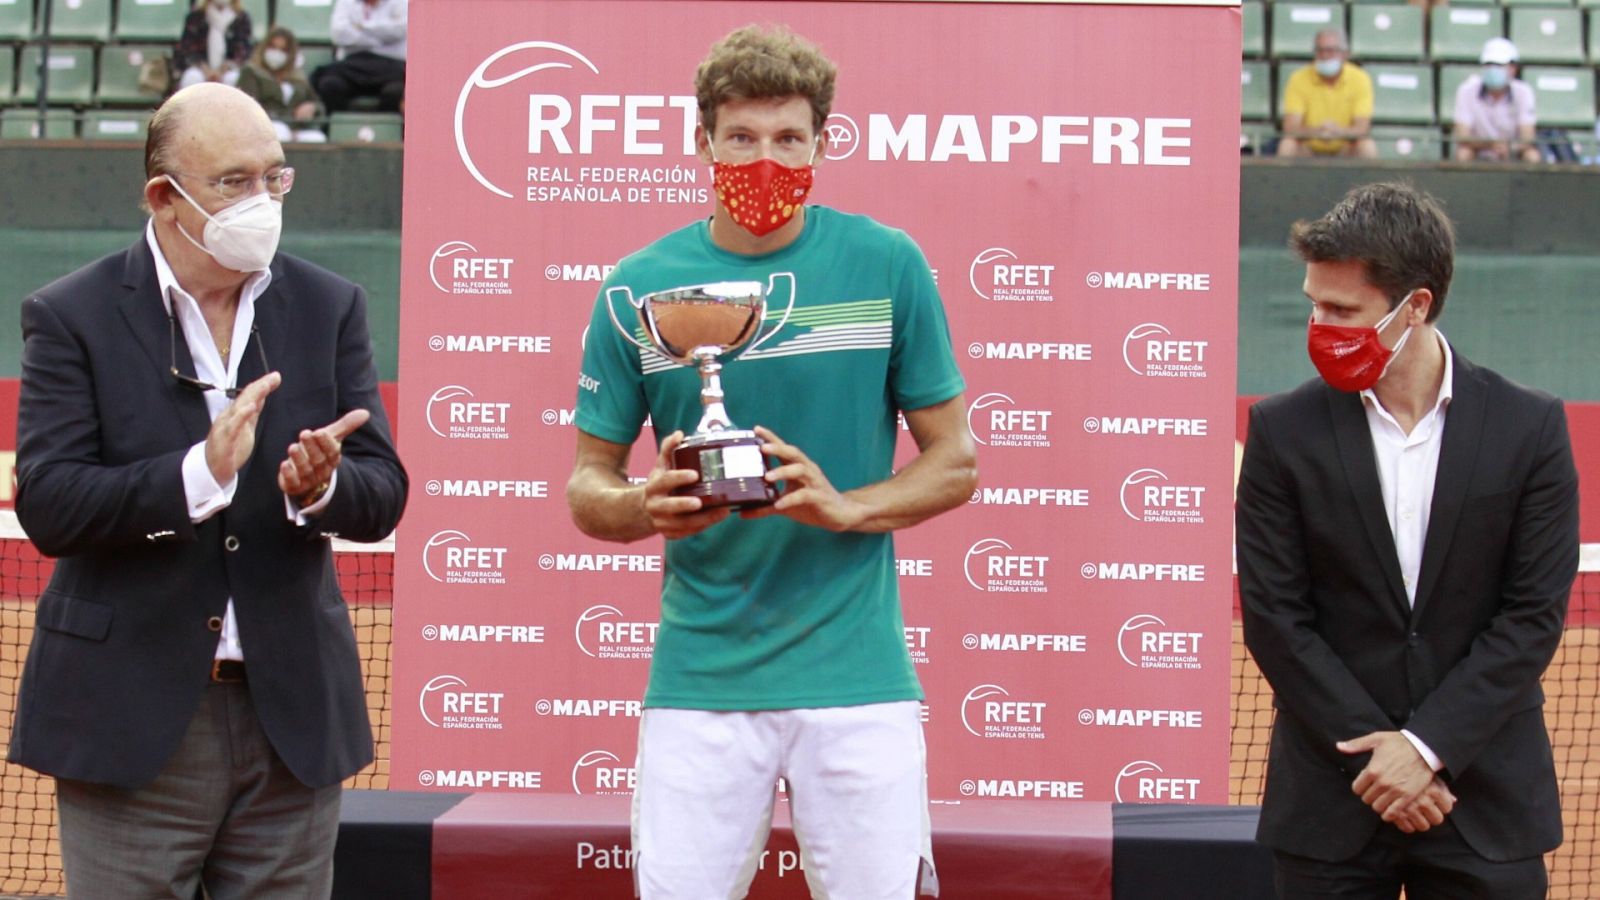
[[205, 497], [379, 28], [1407, 466]]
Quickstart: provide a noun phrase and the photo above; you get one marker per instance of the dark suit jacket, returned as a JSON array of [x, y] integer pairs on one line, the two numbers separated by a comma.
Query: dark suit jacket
[[1326, 618], [122, 648]]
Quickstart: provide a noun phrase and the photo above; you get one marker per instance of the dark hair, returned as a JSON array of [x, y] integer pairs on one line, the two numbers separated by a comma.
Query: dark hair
[[158, 140], [754, 63], [1398, 232]]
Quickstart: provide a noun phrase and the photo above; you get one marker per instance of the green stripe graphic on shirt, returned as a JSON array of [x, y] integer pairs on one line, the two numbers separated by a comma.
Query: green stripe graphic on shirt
[[827, 328]]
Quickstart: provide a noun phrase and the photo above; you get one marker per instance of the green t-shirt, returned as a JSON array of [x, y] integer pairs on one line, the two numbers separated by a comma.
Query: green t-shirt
[[769, 613]]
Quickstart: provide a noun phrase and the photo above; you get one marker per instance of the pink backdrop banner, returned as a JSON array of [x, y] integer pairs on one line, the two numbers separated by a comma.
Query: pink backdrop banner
[[1071, 172]]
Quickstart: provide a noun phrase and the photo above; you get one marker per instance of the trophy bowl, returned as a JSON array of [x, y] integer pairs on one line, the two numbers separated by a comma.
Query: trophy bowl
[[697, 326]]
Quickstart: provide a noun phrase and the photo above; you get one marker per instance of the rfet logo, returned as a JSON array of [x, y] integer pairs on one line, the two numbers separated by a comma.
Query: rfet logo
[[995, 567], [459, 269], [996, 420], [1143, 781], [841, 136], [452, 557], [534, 57], [989, 711], [1146, 642], [1148, 495], [456, 413], [602, 772], [917, 643], [999, 275], [1151, 350], [447, 702], [605, 632]]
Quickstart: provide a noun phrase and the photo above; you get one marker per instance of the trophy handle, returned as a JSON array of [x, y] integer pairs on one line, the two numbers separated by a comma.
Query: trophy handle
[[772, 284], [612, 309]]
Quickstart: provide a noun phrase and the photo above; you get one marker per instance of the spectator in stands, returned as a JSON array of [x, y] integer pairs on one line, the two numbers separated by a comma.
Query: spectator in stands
[[1495, 110], [194, 685], [1327, 105], [371, 39], [275, 80], [215, 43], [1407, 528]]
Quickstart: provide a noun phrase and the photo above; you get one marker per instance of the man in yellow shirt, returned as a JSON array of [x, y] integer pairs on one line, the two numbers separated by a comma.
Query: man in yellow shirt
[[1327, 105]]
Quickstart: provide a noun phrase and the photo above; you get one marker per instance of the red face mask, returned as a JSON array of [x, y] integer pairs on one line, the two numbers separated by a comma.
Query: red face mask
[[763, 195], [1353, 359]]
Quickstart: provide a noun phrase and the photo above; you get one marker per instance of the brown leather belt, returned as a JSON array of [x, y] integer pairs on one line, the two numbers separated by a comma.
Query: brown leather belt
[[227, 671]]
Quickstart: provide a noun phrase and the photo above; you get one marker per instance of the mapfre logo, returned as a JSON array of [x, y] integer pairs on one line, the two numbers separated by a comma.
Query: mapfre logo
[[602, 772], [1031, 350], [454, 412], [999, 275], [1146, 642], [447, 702], [594, 272], [1143, 571], [1146, 426], [917, 643], [451, 557], [459, 269], [1007, 642], [1022, 788], [996, 420], [496, 488], [484, 634], [1143, 781], [1030, 496], [995, 567], [605, 632], [1148, 495], [841, 136], [1148, 281], [1140, 718], [481, 779], [1151, 350], [589, 708], [989, 711], [599, 562], [493, 344]]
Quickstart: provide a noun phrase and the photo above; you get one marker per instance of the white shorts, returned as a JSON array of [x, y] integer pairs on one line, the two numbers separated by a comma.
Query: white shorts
[[858, 798]]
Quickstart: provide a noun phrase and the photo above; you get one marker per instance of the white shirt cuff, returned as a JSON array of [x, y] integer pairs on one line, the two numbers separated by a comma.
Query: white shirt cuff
[[1428, 756], [204, 496], [304, 516]]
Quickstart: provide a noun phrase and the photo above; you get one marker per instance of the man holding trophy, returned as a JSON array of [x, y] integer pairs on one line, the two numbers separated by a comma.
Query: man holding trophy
[[781, 651]]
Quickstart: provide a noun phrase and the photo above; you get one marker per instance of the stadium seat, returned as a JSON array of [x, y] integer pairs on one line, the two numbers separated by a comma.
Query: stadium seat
[[1255, 29], [1588, 4], [314, 55], [8, 72], [22, 124], [1253, 137], [1386, 32], [1594, 34], [1255, 85], [71, 75], [16, 20], [1566, 95], [364, 128], [1450, 78], [1547, 35], [150, 20], [1402, 93], [310, 20], [260, 19], [1282, 69], [120, 65], [1458, 34], [1547, 3], [1397, 142], [78, 20], [1295, 26], [115, 125]]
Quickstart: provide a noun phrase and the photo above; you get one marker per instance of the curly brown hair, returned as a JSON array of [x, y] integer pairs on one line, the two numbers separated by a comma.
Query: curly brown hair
[[755, 63]]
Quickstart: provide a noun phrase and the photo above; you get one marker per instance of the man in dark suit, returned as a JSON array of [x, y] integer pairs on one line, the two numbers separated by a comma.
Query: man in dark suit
[[194, 684], [1407, 539]]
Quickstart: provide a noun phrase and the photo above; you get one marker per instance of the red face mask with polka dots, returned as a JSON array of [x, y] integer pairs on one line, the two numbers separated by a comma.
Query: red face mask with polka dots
[[762, 195]]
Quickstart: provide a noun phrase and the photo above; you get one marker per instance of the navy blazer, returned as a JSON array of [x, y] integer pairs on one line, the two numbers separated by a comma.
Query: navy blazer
[[123, 638], [1326, 617]]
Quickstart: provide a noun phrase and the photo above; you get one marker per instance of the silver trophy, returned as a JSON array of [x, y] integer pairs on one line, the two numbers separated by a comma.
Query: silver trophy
[[697, 326]]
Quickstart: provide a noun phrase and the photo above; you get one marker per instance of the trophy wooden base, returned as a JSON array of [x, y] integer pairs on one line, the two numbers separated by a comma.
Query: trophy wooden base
[[731, 469]]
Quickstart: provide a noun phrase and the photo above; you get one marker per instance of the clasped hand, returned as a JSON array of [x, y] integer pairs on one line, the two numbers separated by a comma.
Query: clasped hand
[[1397, 782]]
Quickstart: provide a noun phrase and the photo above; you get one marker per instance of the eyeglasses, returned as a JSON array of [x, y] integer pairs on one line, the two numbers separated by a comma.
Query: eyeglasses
[[232, 187], [197, 384]]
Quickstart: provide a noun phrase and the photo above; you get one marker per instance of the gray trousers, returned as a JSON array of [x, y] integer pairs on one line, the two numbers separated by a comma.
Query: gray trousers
[[225, 814]]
